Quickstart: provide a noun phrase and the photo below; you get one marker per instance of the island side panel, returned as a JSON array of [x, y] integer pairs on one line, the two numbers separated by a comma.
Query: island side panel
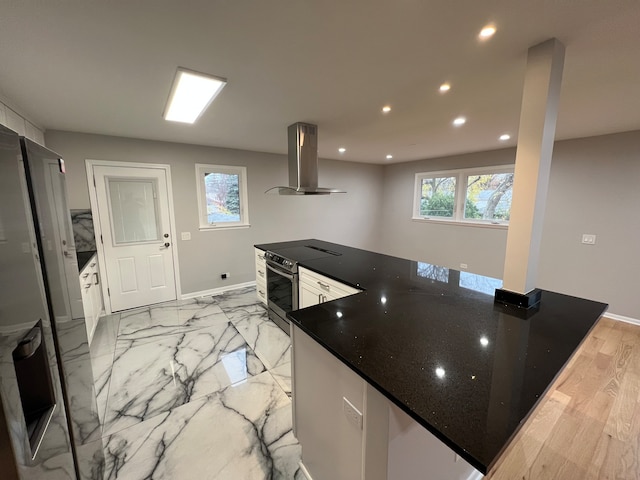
[[415, 453], [332, 445]]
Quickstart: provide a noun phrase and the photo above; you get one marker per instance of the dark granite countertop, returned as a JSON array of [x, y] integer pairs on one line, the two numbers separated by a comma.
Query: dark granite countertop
[[435, 343], [83, 258]]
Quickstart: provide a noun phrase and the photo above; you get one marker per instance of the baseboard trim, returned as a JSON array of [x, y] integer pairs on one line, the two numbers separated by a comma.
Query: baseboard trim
[[476, 475], [304, 470], [217, 291], [621, 318]]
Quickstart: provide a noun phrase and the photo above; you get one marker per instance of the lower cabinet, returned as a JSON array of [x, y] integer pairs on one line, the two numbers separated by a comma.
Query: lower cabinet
[[315, 288], [349, 431], [91, 296], [322, 386], [261, 276]]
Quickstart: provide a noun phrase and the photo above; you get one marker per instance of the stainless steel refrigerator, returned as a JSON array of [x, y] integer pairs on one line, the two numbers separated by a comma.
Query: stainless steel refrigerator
[[49, 427]]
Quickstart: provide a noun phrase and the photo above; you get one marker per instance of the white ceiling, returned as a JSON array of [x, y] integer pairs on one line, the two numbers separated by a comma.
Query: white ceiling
[[107, 66]]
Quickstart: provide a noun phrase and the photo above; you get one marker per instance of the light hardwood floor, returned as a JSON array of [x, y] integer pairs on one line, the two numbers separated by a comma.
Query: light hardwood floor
[[588, 425]]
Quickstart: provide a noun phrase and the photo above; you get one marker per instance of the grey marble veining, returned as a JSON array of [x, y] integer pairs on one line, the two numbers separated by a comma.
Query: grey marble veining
[[149, 378], [54, 458], [103, 348], [83, 230], [248, 435], [194, 388], [72, 340], [151, 323], [269, 342]]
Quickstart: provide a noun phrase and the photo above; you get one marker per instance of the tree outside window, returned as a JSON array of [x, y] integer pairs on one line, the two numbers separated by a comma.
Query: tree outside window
[[222, 196], [480, 195]]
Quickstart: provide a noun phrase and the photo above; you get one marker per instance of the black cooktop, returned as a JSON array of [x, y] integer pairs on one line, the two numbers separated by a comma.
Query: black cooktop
[[305, 252]]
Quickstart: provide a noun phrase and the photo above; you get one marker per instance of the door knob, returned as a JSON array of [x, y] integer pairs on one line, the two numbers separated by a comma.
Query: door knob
[[166, 235], [167, 245]]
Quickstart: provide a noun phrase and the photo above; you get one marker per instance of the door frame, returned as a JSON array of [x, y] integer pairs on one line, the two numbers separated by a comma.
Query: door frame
[[95, 212]]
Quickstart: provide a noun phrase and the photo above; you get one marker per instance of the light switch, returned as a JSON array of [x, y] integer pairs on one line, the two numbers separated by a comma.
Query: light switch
[[588, 239], [185, 235]]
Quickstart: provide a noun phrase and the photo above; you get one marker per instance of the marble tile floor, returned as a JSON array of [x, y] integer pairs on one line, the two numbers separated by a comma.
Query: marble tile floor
[[195, 389]]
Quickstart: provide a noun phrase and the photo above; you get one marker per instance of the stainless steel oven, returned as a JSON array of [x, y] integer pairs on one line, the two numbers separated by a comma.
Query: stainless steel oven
[[282, 288]]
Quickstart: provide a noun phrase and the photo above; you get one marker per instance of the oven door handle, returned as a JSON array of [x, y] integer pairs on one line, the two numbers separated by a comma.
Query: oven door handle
[[281, 273]]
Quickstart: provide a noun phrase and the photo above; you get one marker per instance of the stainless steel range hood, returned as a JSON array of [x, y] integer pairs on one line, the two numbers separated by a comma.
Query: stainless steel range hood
[[303, 163]]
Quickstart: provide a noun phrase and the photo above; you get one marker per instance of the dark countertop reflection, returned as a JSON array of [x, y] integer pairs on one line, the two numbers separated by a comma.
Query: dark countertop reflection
[[433, 341], [83, 259]]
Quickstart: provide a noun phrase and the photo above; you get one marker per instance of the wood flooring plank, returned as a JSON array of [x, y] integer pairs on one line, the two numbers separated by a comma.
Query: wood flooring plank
[[588, 425], [625, 407], [526, 447]]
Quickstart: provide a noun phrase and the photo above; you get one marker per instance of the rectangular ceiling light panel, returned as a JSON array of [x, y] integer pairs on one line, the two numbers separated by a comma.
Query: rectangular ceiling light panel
[[191, 94]]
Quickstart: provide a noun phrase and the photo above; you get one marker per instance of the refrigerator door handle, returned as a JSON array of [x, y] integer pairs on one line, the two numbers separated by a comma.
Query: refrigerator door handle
[[28, 345]]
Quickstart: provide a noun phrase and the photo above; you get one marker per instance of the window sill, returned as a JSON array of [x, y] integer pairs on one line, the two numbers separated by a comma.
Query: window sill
[[211, 228], [499, 226]]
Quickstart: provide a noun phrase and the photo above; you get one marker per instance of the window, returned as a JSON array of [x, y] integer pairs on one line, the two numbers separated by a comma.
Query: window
[[478, 195], [437, 196], [222, 196]]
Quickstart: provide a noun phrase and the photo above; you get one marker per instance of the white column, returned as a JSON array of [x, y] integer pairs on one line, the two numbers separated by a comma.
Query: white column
[[536, 135]]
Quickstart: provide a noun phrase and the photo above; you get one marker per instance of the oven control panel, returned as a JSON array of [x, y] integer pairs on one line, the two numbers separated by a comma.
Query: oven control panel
[[274, 258]]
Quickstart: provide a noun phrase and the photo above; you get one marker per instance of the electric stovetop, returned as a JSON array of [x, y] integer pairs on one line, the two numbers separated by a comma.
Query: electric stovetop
[[300, 254]]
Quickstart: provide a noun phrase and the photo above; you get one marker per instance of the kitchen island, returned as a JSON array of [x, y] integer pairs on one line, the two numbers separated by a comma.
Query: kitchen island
[[429, 343]]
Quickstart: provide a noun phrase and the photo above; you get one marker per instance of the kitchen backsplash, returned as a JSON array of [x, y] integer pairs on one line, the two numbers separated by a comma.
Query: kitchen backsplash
[[83, 232]]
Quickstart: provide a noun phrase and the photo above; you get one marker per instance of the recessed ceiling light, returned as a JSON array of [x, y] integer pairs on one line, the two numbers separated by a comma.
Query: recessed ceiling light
[[445, 87], [342, 149], [191, 94], [389, 157], [459, 121], [487, 32], [504, 137], [386, 109]]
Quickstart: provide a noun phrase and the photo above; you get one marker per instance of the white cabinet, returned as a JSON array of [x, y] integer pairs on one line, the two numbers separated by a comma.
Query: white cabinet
[[33, 133], [261, 276], [332, 446], [349, 430], [315, 288], [15, 122], [91, 296]]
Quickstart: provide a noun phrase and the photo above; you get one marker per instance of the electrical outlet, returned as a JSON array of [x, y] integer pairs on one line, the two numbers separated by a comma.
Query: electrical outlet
[[588, 239], [185, 235], [354, 416], [224, 276], [463, 266]]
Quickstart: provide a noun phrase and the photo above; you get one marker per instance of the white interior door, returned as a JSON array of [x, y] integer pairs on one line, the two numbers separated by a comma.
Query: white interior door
[[134, 218]]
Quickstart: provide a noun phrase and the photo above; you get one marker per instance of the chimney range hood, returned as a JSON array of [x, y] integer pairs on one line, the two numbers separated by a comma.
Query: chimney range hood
[[303, 162]]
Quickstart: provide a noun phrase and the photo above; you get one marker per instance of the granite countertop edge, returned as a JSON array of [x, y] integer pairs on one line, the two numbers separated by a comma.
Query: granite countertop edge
[[301, 319]]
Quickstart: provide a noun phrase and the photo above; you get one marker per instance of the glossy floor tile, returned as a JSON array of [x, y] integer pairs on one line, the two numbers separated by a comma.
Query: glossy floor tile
[[195, 388]]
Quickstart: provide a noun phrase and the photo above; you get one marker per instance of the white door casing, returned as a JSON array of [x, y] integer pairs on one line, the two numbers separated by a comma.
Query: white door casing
[[133, 218], [60, 238]]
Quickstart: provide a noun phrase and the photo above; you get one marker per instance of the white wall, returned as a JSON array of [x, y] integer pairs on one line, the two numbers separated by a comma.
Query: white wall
[[482, 249], [350, 218], [594, 188]]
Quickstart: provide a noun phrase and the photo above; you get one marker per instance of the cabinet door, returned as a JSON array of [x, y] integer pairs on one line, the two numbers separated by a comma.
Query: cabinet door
[[326, 289], [332, 446], [87, 303], [310, 295], [96, 297], [261, 275]]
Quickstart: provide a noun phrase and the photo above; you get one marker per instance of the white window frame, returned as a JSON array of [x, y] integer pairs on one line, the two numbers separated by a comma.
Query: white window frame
[[201, 170], [461, 176]]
